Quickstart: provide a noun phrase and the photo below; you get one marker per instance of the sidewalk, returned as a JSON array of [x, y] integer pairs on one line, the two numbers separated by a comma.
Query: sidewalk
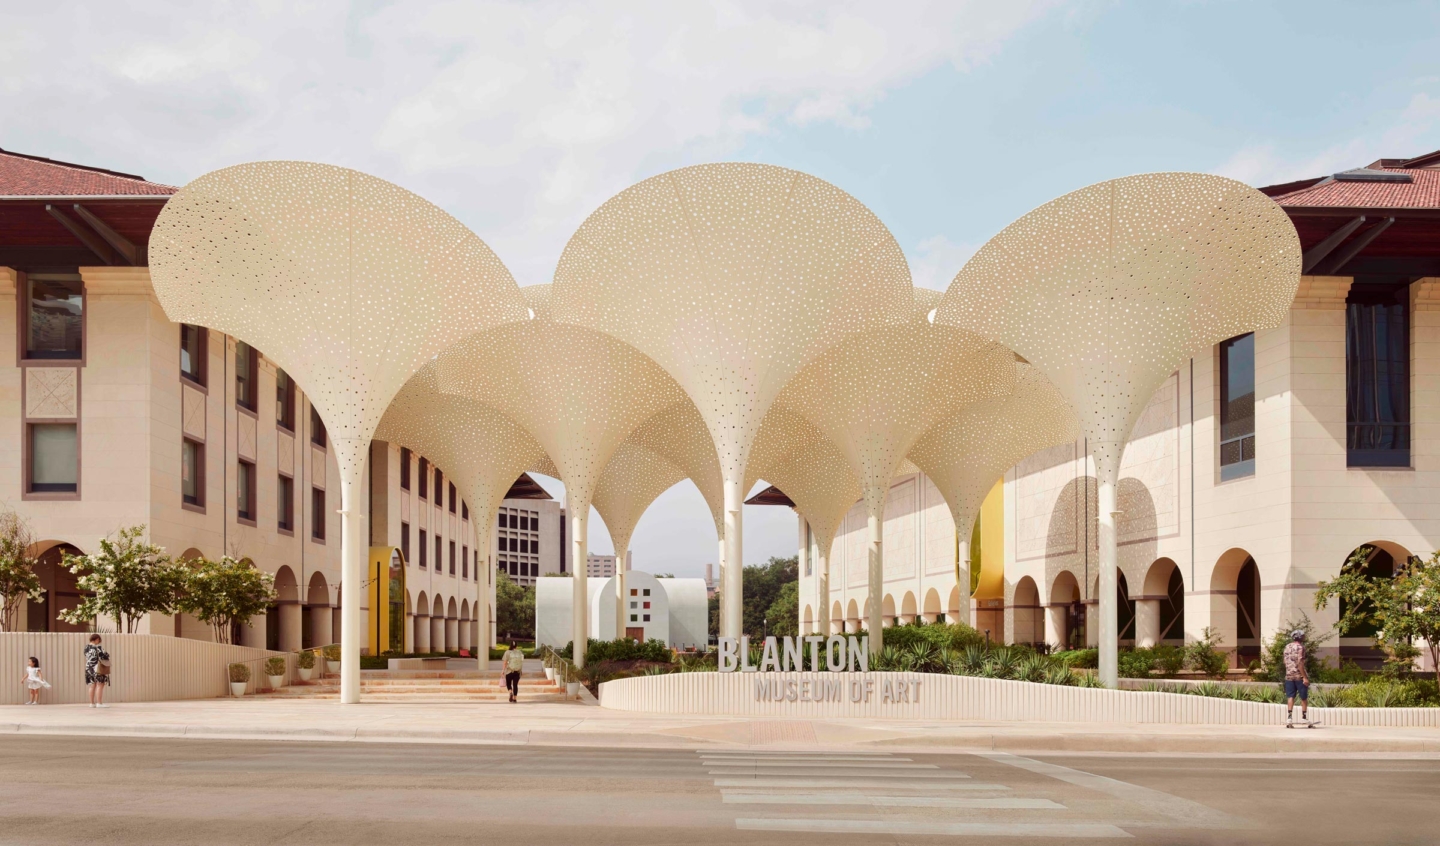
[[579, 724]]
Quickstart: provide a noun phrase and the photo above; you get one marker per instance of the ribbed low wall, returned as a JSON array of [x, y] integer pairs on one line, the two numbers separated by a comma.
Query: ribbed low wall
[[147, 668], [944, 697]]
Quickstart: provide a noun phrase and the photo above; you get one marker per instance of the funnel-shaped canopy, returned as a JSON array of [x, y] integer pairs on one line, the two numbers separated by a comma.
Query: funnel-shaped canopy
[[732, 277], [1108, 289], [874, 393], [630, 483], [966, 453], [818, 478], [348, 282], [678, 435]]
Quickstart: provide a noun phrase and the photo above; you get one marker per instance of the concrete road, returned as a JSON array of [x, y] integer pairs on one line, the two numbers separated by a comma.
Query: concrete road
[[161, 791]]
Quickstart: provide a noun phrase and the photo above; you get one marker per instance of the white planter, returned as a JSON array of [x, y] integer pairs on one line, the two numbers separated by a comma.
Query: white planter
[[237, 688], [550, 673], [332, 666], [572, 689], [276, 682], [304, 672]]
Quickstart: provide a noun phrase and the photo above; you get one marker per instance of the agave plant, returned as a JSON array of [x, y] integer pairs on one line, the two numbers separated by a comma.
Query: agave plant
[[889, 658], [1090, 679], [1059, 674], [973, 658], [924, 658], [1031, 668], [1006, 660]]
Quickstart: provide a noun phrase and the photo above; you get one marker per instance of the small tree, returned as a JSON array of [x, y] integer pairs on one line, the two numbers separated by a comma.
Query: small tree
[[17, 569], [128, 578], [514, 608], [1271, 666], [1403, 610], [225, 592]]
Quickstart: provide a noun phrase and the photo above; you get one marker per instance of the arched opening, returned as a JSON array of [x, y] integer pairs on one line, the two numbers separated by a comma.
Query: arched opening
[[58, 585], [1029, 627], [808, 620], [907, 608], [420, 640], [1378, 560], [278, 617], [852, 617], [952, 605], [1160, 607], [1124, 608], [315, 628], [887, 611], [1235, 604], [932, 606], [837, 618], [1065, 621]]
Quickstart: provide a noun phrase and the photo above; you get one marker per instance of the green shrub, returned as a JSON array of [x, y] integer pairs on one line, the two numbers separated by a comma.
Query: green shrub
[[1387, 693], [1079, 659], [274, 666], [305, 660], [1169, 660], [1347, 673], [239, 673], [332, 652], [625, 649], [1136, 663], [1271, 666], [1203, 656], [937, 635]]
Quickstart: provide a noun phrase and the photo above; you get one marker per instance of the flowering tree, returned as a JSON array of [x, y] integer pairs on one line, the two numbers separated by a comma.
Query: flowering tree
[[225, 592], [17, 569], [128, 578], [1404, 610]]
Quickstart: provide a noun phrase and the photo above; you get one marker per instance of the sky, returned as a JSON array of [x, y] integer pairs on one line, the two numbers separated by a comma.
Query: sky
[[948, 119]]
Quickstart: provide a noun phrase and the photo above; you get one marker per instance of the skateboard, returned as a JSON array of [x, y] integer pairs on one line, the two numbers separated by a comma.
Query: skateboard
[[1310, 724]]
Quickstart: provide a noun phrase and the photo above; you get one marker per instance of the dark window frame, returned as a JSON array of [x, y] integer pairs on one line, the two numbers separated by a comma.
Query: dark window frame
[[439, 554], [249, 400], [24, 354], [452, 497], [405, 541], [405, 460], [317, 514], [251, 491], [198, 504], [452, 557], [49, 490], [424, 549], [285, 505], [1236, 452], [1379, 410], [285, 398], [465, 562], [424, 478], [318, 435], [201, 378]]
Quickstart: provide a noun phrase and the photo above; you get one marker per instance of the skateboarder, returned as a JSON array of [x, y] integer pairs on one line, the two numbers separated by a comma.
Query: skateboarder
[[1297, 678]]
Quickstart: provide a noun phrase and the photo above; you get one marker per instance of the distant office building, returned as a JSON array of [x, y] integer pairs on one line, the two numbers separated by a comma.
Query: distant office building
[[603, 566], [710, 580], [529, 533]]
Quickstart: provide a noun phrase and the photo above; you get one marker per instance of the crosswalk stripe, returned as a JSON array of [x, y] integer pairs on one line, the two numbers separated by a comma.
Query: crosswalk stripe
[[971, 829], [840, 771], [856, 783], [1012, 803]]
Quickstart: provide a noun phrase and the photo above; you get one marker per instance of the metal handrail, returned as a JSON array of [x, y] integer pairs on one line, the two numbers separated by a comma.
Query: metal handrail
[[291, 674]]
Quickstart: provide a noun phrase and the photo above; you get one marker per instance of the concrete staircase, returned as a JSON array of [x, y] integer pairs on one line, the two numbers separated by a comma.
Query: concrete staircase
[[427, 686]]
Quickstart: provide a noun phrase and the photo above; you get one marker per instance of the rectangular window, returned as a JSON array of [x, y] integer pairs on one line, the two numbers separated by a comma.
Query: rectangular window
[[439, 488], [405, 542], [54, 316], [464, 510], [1377, 374], [317, 513], [247, 368], [452, 558], [245, 490], [647, 618], [193, 347], [284, 400], [439, 554], [464, 562], [424, 478], [634, 618], [285, 504], [54, 458], [452, 497], [423, 549], [192, 472], [317, 428], [1237, 407], [404, 469]]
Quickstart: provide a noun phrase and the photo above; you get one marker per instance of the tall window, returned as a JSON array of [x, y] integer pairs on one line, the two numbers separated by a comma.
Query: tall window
[[192, 353], [247, 366], [452, 497], [464, 510], [54, 458], [405, 541], [284, 400], [405, 471], [317, 428], [1237, 407], [1377, 374], [285, 504], [245, 490], [54, 315], [192, 472], [439, 488], [439, 554], [452, 558], [317, 513], [423, 548], [424, 477], [464, 562]]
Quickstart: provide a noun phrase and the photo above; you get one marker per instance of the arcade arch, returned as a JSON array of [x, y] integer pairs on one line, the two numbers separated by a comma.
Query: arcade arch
[[837, 618], [907, 608], [1029, 625], [1065, 617], [932, 611], [422, 623], [1160, 606], [59, 587], [1379, 560], [1235, 595]]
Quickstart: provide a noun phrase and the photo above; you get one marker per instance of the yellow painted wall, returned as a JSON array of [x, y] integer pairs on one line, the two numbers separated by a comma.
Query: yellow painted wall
[[992, 546]]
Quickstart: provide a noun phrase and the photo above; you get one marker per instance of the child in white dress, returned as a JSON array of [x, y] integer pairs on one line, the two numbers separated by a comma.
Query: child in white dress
[[34, 681]]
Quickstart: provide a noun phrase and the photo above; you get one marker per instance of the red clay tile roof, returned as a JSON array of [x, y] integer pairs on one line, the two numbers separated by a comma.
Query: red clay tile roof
[[33, 176], [1422, 192]]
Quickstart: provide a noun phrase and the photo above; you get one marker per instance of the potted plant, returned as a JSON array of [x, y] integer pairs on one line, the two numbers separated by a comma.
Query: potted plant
[[239, 678], [572, 684], [305, 664], [275, 671], [549, 665], [332, 658]]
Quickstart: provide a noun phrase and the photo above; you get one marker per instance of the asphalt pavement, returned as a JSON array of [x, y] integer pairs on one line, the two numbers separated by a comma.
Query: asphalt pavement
[[172, 791]]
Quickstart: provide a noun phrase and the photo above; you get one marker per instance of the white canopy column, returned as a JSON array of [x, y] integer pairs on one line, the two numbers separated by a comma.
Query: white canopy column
[[347, 282], [1107, 290]]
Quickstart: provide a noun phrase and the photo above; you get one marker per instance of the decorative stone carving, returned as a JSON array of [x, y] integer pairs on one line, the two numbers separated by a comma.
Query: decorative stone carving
[[52, 393], [192, 412], [245, 435]]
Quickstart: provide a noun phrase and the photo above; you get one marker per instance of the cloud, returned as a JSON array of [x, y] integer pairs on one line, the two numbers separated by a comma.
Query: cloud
[[937, 259], [1411, 133], [520, 118]]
